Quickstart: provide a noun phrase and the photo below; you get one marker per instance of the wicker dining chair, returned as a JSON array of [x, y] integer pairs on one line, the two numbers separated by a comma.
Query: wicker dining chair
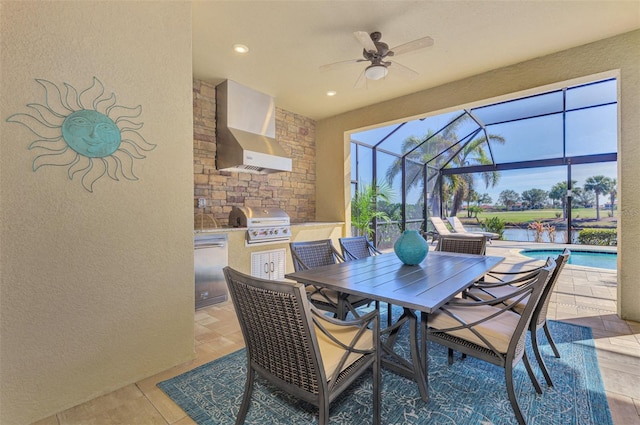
[[312, 254], [297, 348], [491, 331], [505, 283], [463, 244], [356, 247]]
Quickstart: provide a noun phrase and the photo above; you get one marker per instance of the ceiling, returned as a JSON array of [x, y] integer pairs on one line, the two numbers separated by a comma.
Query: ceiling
[[290, 40]]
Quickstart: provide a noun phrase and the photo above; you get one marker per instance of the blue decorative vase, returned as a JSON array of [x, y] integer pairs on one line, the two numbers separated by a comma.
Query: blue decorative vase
[[411, 248]]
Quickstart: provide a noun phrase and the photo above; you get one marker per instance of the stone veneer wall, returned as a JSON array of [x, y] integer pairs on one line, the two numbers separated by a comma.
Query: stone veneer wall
[[294, 192]]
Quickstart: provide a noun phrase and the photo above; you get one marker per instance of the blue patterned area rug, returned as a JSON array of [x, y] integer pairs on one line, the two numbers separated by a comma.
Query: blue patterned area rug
[[468, 392]]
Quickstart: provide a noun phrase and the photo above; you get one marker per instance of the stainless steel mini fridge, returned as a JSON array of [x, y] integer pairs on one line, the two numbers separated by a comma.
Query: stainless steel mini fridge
[[210, 258]]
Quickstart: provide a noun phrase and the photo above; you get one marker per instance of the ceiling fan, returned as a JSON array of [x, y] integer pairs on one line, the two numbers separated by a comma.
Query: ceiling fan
[[377, 53]]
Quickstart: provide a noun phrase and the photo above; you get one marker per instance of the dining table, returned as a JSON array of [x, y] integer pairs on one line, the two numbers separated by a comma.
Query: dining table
[[421, 288]]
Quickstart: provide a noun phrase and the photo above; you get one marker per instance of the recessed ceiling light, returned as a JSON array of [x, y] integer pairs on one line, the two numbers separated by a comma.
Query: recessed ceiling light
[[331, 93], [240, 48]]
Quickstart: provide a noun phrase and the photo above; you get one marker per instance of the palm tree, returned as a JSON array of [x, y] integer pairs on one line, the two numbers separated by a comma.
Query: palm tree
[[598, 185], [613, 193], [421, 155], [559, 191], [472, 153], [363, 207]]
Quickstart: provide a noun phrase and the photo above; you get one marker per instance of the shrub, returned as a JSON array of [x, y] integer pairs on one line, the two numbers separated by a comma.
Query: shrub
[[494, 225], [475, 210], [603, 237], [539, 229]]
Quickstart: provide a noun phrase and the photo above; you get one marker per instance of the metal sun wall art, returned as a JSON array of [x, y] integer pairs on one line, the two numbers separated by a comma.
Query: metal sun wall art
[[87, 132]]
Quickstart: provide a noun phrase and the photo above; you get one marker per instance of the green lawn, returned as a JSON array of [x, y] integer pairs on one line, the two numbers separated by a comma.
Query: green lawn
[[547, 214]]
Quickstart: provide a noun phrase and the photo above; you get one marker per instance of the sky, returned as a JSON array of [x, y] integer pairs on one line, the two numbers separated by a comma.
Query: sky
[[584, 117], [545, 178]]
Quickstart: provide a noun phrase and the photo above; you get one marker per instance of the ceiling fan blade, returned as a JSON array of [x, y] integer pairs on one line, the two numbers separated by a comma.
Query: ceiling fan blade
[[420, 43], [364, 38], [361, 81], [403, 71], [340, 64]]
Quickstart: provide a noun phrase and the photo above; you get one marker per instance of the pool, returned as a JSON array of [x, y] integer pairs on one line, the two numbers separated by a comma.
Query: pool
[[600, 259]]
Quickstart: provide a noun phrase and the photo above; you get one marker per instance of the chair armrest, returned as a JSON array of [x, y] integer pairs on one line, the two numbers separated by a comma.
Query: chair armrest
[[368, 323], [496, 273], [362, 320], [524, 277], [501, 304], [349, 256], [374, 249], [510, 300], [337, 255]]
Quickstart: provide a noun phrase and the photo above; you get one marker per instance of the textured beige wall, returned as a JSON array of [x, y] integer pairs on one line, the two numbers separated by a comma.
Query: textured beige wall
[[96, 288], [618, 54]]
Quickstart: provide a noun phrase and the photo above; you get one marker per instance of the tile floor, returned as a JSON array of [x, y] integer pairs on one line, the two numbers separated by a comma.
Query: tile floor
[[583, 296]]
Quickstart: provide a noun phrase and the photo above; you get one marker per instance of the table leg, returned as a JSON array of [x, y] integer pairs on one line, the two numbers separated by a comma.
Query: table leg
[[391, 360], [424, 366], [418, 358]]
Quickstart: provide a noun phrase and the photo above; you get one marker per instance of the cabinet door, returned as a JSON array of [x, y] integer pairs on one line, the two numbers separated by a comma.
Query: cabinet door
[[269, 264], [277, 264], [261, 265]]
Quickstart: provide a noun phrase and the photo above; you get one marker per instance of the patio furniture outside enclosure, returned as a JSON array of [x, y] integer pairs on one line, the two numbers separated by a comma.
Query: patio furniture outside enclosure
[[458, 227], [441, 229]]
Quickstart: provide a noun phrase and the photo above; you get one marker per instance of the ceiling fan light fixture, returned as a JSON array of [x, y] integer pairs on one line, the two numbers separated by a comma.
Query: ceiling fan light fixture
[[376, 72]]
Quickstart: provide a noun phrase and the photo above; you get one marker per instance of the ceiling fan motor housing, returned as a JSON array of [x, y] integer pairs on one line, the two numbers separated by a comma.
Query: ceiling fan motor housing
[[378, 55]]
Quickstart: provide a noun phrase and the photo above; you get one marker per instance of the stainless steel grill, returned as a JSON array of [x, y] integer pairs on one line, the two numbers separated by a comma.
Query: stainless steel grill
[[263, 224]]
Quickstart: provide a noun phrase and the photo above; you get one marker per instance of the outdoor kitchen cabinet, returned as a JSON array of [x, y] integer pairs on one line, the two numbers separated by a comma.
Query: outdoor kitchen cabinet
[[240, 252], [269, 264]]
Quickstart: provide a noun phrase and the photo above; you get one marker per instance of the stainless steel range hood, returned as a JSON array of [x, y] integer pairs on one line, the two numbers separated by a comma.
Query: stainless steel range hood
[[245, 131]]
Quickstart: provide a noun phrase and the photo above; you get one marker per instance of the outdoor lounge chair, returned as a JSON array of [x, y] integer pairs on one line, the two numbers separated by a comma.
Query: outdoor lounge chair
[[486, 290], [297, 348], [491, 331], [312, 254], [458, 227], [441, 229]]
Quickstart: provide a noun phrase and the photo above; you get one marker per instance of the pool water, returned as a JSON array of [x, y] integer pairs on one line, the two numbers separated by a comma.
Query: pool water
[[599, 259]]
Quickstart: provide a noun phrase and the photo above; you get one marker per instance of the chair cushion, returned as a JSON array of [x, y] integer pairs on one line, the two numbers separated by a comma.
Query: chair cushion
[[332, 353], [498, 331], [498, 292]]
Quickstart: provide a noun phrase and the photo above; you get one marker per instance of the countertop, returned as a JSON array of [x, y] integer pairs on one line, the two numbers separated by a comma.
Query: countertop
[[225, 229]]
